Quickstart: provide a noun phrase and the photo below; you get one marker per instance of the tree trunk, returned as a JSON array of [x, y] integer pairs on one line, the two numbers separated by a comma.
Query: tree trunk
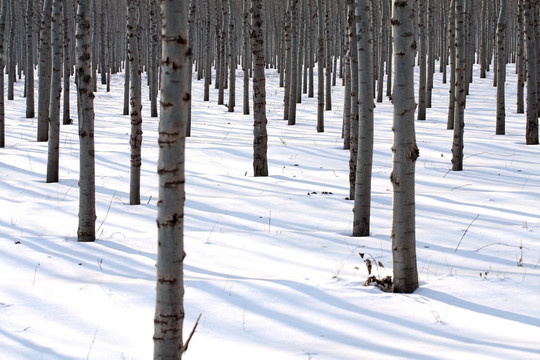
[[320, 67], [520, 67], [353, 120], [3, 12], [452, 56], [260, 136], [293, 77], [174, 106], [362, 184], [66, 115], [245, 56], [232, 60], [422, 62], [135, 139], [531, 135], [460, 88], [405, 151], [87, 183], [55, 93], [501, 69], [29, 74], [12, 58], [44, 70]]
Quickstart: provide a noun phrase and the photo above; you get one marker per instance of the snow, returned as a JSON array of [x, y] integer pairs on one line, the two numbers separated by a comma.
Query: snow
[[270, 264]]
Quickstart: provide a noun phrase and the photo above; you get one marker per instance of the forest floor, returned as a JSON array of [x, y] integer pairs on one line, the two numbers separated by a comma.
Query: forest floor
[[270, 264]]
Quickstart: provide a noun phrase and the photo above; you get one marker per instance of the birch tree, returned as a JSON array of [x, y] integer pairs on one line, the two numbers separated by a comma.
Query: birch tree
[[501, 69], [135, 139], [320, 67], [174, 106], [29, 66], [362, 184], [55, 92], [260, 136], [44, 70], [531, 135], [85, 105], [405, 151], [460, 87], [3, 14]]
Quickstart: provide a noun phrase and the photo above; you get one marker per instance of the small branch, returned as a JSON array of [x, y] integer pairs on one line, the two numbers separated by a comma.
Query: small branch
[[184, 349], [498, 243], [465, 233]]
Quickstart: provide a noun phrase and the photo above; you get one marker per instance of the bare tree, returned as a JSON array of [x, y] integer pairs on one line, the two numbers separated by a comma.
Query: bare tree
[[501, 68], [29, 70], [460, 87], [260, 136], [55, 92], [362, 184], [174, 104], [44, 69], [531, 134], [3, 12], [135, 139], [85, 96], [405, 151]]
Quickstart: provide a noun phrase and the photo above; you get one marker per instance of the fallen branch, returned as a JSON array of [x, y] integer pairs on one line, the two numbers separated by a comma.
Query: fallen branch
[[466, 230], [184, 349]]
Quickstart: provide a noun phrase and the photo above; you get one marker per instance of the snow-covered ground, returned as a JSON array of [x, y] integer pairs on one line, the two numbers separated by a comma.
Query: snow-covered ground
[[270, 264]]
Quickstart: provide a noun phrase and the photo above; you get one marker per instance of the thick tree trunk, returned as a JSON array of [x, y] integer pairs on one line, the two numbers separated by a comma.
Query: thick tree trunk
[[362, 184], [135, 139], [174, 107], [260, 136], [55, 93], [85, 104], [405, 151]]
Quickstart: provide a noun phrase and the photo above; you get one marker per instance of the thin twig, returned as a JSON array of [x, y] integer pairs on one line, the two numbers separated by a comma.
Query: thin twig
[[498, 243], [184, 349], [465, 232], [107, 214]]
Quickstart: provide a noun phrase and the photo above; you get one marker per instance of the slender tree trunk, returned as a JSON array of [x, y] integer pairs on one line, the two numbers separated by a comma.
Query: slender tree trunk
[[501, 69], [405, 151], [55, 93], [232, 60], [154, 60], [531, 134], [353, 138], [521, 67], [3, 14], [422, 61], [460, 89], [87, 183], [12, 58], [135, 139], [320, 67], [44, 70], [328, 40], [127, 74], [245, 55], [452, 53], [29, 75], [362, 184], [260, 136], [483, 40], [174, 107], [66, 116], [293, 78]]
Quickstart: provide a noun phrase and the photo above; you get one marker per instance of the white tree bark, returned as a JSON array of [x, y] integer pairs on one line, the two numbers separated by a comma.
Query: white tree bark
[[85, 104], [501, 69], [44, 71], [174, 104], [405, 151]]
